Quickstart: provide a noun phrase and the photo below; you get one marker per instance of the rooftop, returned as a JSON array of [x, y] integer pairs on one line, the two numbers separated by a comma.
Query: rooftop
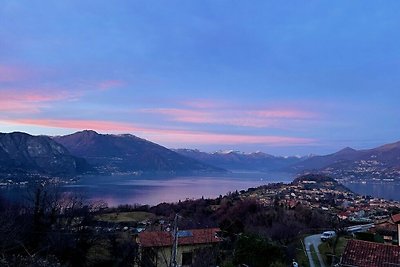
[[186, 237], [368, 254], [396, 218]]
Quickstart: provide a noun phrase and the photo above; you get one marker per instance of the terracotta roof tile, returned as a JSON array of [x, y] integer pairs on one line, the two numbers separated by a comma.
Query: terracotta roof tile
[[368, 254], [387, 226], [163, 239], [396, 218]]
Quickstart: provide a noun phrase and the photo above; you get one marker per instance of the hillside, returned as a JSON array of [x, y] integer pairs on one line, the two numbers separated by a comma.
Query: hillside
[[126, 153], [22, 154], [316, 181]]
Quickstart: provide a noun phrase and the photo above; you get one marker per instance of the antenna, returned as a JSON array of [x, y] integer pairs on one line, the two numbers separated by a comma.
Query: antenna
[[173, 262]]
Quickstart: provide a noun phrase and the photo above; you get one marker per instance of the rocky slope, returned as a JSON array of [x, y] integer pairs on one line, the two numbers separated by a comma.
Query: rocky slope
[[23, 154]]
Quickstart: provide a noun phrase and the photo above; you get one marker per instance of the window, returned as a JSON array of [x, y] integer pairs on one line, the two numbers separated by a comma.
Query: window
[[187, 258]]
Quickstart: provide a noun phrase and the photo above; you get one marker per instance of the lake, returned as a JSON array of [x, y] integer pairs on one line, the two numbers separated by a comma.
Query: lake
[[151, 190], [383, 190]]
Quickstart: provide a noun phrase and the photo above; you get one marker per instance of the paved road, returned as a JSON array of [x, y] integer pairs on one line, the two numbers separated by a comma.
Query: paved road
[[314, 240]]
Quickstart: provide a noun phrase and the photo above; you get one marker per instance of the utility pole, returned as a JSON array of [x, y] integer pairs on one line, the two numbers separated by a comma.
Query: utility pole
[[173, 262]]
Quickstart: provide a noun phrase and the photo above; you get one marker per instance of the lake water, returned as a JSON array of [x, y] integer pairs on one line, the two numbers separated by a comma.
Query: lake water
[[151, 190], [382, 190]]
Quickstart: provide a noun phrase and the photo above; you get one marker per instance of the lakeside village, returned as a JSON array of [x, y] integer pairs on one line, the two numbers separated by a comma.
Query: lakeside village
[[263, 226], [364, 171], [369, 227]]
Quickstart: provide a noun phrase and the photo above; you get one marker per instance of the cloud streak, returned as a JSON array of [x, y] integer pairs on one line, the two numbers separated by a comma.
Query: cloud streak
[[234, 116], [19, 101], [165, 136]]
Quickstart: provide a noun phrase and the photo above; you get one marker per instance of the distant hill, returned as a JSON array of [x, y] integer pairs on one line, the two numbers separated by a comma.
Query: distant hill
[[126, 153], [318, 181], [318, 162], [381, 163], [235, 160], [386, 155], [22, 154]]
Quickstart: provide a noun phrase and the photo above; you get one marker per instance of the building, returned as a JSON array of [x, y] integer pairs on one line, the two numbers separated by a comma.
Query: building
[[195, 247], [369, 254], [396, 220], [387, 230]]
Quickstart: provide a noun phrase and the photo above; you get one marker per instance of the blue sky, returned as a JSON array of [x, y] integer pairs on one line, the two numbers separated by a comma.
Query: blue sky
[[284, 77]]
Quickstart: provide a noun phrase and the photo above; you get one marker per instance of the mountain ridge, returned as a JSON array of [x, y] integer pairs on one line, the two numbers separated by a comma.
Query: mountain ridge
[[236, 160], [127, 152]]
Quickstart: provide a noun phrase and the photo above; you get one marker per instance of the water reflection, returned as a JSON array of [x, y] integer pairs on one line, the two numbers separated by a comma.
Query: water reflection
[[154, 190]]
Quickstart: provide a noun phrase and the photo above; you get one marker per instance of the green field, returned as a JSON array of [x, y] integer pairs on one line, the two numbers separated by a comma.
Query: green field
[[326, 248], [301, 257], [314, 256], [133, 216]]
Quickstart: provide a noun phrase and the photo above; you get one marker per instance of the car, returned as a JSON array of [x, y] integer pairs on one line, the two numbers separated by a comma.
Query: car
[[328, 235]]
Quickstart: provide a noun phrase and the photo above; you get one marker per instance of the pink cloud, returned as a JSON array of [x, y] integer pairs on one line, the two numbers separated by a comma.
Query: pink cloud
[[79, 124], [257, 118], [164, 136], [231, 139], [18, 101]]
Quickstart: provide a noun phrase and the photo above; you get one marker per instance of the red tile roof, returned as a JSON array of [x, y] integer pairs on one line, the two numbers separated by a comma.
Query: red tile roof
[[396, 218], [368, 254], [163, 239]]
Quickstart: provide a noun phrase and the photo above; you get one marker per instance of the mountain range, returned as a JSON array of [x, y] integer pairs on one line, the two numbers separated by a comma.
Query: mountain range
[[389, 155], [381, 163], [236, 160], [89, 151]]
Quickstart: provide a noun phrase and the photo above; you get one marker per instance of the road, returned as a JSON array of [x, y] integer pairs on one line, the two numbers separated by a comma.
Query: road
[[314, 240]]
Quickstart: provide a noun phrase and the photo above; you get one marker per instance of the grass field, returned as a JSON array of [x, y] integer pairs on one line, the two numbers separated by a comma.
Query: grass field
[[326, 248], [301, 257], [133, 216], [314, 256]]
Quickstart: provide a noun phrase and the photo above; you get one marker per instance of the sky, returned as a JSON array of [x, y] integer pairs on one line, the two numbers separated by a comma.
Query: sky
[[283, 77]]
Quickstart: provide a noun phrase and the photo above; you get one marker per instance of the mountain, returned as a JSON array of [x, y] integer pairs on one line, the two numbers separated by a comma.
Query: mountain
[[22, 154], [319, 162], [235, 160], [378, 164], [126, 153]]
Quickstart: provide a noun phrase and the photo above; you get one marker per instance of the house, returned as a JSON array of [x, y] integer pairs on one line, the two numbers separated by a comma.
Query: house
[[369, 254], [396, 220], [387, 229], [194, 246]]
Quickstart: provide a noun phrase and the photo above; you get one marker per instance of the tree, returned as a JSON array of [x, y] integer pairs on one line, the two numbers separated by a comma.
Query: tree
[[256, 251]]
